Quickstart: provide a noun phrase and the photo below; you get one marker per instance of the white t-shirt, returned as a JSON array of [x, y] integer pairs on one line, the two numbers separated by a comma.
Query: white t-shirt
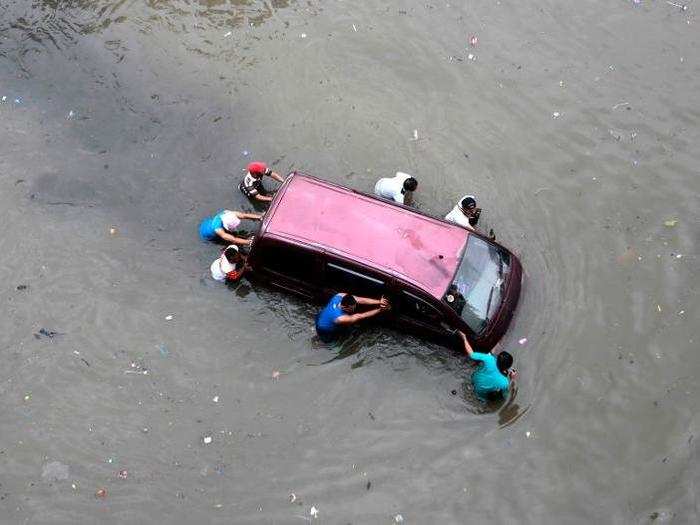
[[391, 187], [220, 268], [457, 216]]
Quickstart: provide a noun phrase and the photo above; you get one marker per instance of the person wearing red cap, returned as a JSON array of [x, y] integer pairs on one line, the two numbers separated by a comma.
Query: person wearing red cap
[[252, 186]]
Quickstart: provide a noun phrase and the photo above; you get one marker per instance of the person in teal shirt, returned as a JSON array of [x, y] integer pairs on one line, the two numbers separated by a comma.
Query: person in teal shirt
[[494, 375]]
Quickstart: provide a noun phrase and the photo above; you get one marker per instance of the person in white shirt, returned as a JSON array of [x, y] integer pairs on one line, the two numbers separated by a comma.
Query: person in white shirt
[[466, 214], [399, 188], [229, 267]]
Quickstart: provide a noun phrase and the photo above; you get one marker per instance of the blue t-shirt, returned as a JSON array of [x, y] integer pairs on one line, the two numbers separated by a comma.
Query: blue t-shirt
[[325, 321], [487, 378], [208, 227]]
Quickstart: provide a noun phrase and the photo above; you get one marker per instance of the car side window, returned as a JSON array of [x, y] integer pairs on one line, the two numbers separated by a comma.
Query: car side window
[[289, 261], [415, 307], [344, 279]]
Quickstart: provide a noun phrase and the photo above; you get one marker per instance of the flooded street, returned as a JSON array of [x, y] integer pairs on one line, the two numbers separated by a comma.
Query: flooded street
[[125, 368]]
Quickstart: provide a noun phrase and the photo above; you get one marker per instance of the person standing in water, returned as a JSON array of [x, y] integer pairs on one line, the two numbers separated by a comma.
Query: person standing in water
[[466, 214], [220, 226], [252, 186], [398, 188], [494, 376], [341, 312]]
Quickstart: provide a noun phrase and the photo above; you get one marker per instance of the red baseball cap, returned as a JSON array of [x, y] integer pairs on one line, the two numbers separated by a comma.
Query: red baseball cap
[[257, 168]]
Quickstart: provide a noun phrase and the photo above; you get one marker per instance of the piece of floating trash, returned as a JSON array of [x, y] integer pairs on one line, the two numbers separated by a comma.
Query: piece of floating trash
[[658, 307], [70, 115], [27, 396], [398, 518], [18, 100], [74, 486], [678, 256], [303, 35], [123, 474], [245, 152], [112, 231], [354, 27], [228, 34], [471, 56], [292, 497], [561, 83], [101, 493], [679, 6], [473, 40], [275, 374], [415, 134], [313, 512], [207, 440], [522, 341], [169, 317], [527, 434], [671, 223], [4, 98], [556, 114], [215, 399]]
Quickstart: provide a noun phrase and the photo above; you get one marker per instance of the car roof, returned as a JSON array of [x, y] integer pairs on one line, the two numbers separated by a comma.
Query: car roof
[[377, 233]]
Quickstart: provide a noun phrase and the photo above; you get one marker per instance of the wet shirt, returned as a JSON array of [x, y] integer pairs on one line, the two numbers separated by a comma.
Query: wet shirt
[[487, 378], [457, 216], [392, 187], [325, 321], [252, 186]]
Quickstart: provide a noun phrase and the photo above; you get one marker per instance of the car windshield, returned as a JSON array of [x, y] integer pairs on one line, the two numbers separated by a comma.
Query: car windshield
[[478, 286]]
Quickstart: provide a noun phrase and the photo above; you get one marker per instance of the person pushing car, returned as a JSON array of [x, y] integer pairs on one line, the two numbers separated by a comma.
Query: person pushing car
[[494, 376], [341, 312]]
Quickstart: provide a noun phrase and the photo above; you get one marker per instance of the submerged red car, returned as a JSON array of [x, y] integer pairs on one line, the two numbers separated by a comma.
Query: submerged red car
[[319, 238]]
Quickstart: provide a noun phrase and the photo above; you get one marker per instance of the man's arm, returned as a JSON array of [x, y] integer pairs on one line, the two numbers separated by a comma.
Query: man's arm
[[467, 347], [354, 318], [223, 234], [263, 198], [276, 176], [246, 215]]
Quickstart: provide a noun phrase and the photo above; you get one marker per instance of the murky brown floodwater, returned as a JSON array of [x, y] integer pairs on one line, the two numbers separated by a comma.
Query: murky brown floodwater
[[577, 124]]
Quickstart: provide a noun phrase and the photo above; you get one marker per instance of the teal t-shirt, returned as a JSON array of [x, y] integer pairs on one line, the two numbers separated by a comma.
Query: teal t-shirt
[[487, 378]]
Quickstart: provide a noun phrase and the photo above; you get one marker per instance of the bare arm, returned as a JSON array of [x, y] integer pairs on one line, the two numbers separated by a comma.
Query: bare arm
[[366, 300], [223, 234], [354, 318], [276, 176], [246, 215], [264, 198], [467, 347]]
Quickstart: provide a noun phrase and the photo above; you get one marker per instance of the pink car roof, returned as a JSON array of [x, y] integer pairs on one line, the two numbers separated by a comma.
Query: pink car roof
[[398, 241]]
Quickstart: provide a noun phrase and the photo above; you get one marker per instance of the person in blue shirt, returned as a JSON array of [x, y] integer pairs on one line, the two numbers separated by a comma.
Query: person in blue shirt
[[494, 375], [220, 226], [341, 312]]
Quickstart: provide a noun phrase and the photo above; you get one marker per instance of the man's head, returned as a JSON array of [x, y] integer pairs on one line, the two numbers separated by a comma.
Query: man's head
[[468, 204], [232, 254], [504, 361], [410, 184], [257, 169], [348, 303]]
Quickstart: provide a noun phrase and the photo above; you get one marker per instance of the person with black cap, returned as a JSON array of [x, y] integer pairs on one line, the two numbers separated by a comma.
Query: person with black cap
[[466, 214]]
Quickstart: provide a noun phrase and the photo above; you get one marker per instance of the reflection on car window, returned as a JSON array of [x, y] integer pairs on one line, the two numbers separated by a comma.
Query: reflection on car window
[[289, 261], [415, 307], [478, 286], [344, 279]]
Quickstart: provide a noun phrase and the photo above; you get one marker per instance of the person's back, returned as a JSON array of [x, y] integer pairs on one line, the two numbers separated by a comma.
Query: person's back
[[398, 188], [487, 378]]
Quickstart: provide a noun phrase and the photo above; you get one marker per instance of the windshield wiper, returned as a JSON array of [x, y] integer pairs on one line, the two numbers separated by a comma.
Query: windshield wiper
[[488, 304]]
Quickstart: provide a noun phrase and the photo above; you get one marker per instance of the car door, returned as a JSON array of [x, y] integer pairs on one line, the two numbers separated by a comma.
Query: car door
[[416, 313]]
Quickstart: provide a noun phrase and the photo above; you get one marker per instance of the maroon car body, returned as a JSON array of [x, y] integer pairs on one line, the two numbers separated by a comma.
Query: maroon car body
[[319, 238]]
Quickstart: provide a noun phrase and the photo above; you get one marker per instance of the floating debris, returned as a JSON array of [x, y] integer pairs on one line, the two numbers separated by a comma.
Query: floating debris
[[303, 35], [112, 231], [101, 493], [522, 341], [471, 57], [313, 512], [528, 434], [398, 518], [27, 396], [123, 474], [556, 114], [473, 40], [275, 374], [679, 6], [207, 440], [215, 399], [292, 497], [163, 350], [354, 28], [670, 223], [228, 34], [169, 317]]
